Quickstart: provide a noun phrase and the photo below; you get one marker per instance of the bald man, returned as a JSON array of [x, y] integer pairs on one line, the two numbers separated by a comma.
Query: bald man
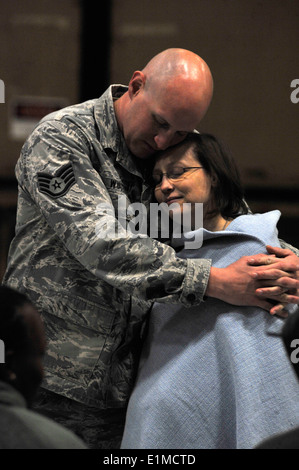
[[93, 279]]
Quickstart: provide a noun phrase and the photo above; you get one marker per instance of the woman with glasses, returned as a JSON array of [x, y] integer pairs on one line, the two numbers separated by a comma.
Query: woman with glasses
[[215, 376]]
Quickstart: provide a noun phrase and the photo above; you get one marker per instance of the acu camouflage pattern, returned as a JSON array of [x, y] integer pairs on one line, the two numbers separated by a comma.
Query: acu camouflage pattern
[[286, 245], [93, 293]]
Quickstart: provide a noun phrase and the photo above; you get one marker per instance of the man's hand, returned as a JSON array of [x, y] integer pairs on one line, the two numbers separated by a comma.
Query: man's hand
[[279, 278], [259, 281]]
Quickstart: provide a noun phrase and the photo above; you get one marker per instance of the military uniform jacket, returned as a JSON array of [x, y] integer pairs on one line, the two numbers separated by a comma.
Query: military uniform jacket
[[92, 289]]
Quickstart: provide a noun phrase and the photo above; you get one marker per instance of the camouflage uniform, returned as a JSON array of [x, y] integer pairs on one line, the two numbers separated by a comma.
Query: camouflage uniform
[[93, 293]]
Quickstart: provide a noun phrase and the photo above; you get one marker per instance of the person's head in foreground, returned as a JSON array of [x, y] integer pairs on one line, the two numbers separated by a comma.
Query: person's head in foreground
[[200, 169], [22, 332], [164, 101]]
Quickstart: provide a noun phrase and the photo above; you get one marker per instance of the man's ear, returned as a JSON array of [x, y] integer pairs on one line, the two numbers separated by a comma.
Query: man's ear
[[136, 83]]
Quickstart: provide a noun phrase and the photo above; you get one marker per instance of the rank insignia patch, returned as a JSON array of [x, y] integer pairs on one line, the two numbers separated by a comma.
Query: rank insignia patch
[[59, 184]]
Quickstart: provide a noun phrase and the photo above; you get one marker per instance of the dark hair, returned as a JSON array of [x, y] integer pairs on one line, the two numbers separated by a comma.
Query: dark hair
[[217, 161], [13, 327], [22, 368]]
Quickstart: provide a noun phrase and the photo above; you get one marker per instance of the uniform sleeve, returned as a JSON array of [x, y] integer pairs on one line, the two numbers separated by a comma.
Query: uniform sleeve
[[286, 245], [57, 173]]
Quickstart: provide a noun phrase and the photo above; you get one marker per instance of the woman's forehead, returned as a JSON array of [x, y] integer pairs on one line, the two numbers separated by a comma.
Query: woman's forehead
[[180, 154]]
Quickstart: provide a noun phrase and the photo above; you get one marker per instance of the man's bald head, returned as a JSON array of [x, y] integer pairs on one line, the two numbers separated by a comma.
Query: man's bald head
[[180, 71], [174, 62], [165, 100]]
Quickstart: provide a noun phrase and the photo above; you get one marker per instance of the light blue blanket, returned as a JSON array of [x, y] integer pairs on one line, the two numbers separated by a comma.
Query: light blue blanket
[[211, 377]]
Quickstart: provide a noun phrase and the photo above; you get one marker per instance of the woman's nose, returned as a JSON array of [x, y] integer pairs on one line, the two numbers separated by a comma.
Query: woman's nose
[[166, 184]]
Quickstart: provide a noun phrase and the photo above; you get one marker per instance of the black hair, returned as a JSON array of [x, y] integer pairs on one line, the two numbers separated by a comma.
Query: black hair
[[216, 159], [13, 327]]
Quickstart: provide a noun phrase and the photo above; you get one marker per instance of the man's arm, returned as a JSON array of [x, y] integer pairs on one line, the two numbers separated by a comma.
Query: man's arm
[[81, 214]]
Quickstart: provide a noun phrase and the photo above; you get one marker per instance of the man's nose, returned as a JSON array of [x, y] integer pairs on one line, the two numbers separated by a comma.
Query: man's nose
[[163, 140]]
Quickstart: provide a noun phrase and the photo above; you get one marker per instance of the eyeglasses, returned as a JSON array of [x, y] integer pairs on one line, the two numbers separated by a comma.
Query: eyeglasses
[[175, 174]]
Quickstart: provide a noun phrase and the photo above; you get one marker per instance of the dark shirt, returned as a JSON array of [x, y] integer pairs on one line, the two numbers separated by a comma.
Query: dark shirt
[[21, 428]]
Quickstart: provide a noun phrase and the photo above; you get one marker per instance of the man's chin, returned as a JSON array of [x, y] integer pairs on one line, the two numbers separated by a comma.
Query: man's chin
[[143, 151]]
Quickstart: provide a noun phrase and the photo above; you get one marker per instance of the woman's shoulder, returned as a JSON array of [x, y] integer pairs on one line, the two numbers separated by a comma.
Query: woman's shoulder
[[262, 226], [255, 220]]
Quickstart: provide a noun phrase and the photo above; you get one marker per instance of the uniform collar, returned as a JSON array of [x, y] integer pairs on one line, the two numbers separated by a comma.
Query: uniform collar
[[111, 137], [106, 119]]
